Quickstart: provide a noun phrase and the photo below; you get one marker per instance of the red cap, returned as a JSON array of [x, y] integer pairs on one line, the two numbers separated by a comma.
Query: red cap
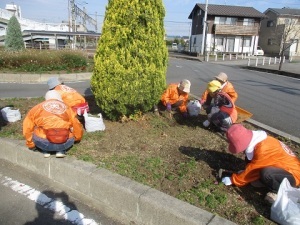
[[239, 138]]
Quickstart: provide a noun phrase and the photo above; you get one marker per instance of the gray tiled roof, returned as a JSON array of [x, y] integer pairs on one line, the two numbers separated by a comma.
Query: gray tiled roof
[[229, 10], [285, 11]]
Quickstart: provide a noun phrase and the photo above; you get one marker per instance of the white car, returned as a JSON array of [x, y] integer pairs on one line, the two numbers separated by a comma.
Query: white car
[[259, 51], [174, 46]]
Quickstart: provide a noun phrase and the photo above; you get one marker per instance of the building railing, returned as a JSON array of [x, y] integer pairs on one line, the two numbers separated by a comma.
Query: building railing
[[235, 29]]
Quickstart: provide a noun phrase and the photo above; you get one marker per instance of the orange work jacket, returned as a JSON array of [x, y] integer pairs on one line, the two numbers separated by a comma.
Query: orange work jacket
[[69, 95], [50, 114], [171, 95], [269, 152], [228, 88]]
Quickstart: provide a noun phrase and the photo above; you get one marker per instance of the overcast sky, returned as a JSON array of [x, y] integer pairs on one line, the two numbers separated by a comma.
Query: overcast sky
[[176, 19]]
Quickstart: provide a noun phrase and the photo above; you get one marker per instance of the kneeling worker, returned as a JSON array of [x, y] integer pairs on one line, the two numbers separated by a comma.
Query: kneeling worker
[[70, 96], [176, 97]]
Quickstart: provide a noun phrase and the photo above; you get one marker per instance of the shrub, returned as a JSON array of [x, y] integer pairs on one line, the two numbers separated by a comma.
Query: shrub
[[13, 38], [45, 60], [131, 58]]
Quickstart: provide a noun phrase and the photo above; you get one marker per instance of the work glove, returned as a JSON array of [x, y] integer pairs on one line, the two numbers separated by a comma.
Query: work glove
[[226, 181], [169, 107], [185, 115], [202, 101], [206, 123]]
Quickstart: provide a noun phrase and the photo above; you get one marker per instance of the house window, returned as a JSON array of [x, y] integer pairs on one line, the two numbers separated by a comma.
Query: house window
[[248, 22], [225, 20], [195, 39], [246, 42], [270, 23], [270, 41], [219, 41], [287, 21]]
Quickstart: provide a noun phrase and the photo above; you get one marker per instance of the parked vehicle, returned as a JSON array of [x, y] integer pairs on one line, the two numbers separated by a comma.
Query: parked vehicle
[[259, 51], [174, 46]]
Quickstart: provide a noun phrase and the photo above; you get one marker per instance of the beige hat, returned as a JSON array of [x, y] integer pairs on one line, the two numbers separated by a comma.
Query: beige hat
[[53, 95], [185, 86], [222, 77]]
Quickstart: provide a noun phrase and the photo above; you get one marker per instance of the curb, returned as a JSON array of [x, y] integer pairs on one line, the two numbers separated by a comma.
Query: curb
[[116, 196], [42, 78]]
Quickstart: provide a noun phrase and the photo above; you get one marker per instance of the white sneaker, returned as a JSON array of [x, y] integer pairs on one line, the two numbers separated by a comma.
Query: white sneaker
[[271, 197], [60, 155], [47, 155], [206, 123]]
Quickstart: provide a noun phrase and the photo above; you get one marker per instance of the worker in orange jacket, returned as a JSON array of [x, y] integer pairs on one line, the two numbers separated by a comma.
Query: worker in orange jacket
[[176, 97], [51, 115], [222, 112], [69, 95], [269, 160], [226, 87]]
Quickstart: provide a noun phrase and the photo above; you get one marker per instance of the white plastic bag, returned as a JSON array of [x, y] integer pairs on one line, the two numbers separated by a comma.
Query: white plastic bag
[[194, 107], [11, 115], [93, 123], [286, 209]]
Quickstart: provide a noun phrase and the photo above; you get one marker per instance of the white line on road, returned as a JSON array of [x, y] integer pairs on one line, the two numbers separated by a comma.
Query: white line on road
[[57, 206]]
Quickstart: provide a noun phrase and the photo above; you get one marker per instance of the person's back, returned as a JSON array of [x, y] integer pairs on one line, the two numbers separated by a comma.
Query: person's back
[[229, 89], [69, 95], [51, 114]]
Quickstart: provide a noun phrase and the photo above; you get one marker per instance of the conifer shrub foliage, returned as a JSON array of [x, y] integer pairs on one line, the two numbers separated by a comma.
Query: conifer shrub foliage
[[129, 75], [13, 38]]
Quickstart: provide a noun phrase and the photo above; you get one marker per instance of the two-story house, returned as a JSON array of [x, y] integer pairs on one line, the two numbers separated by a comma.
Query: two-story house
[[230, 29], [281, 31]]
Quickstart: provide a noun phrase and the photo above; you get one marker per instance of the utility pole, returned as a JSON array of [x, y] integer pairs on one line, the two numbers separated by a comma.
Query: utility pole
[[204, 28]]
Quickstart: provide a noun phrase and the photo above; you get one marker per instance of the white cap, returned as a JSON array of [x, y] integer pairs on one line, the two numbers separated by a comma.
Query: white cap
[[52, 94]]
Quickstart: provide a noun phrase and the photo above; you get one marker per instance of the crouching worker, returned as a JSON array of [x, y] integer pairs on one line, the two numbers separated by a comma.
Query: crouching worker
[[52, 126], [269, 160], [222, 113], [70, 96], [175, 97]]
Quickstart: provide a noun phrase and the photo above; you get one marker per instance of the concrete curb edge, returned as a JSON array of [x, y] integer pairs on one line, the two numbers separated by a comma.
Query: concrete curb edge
[[119, 197]]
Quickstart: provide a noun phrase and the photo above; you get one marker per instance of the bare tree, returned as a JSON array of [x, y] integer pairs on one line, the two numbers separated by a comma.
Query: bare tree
[[286, 34]]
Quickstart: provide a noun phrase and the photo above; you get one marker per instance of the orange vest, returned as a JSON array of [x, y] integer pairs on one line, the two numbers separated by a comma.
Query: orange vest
[[50, 114], [69, 95], [171, 95], [269, 152]]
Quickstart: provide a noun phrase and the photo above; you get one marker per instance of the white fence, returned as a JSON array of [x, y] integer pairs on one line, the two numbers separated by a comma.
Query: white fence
[[251, 60]]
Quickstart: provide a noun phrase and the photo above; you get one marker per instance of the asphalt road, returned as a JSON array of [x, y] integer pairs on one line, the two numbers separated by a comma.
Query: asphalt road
[[273, 99], [30, 199]]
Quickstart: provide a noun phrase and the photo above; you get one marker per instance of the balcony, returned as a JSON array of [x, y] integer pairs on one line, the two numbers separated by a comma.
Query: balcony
[[235, 30]]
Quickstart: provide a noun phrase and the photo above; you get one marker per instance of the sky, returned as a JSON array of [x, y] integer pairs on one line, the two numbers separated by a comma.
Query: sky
[[176, 19]]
